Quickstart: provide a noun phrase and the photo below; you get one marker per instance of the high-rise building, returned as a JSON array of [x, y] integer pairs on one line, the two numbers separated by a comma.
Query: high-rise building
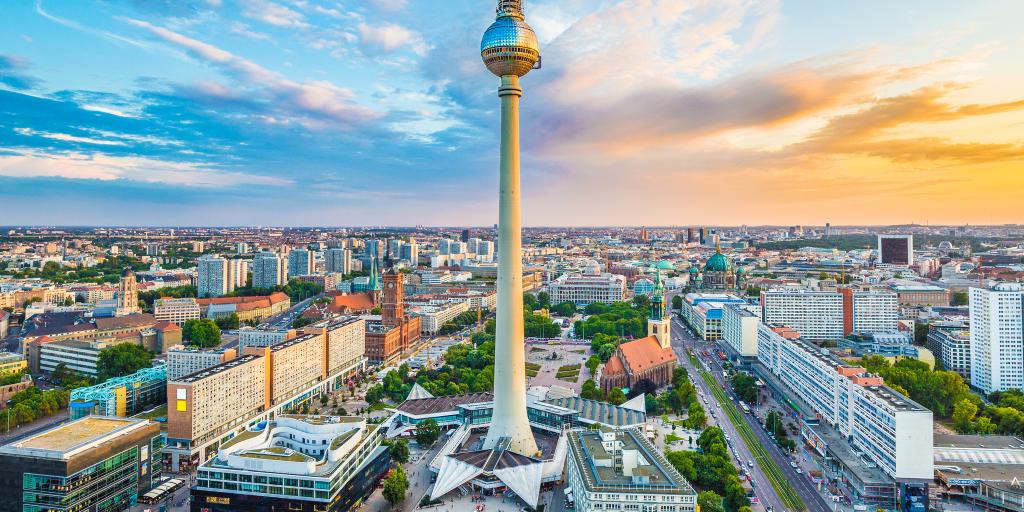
[[485, 250], [997, 337], [375, 248], [338, 260], [238, 273], [465, 235], [182, 360], [268, 271], [300, 262], [127, 293], [828, 229], [691, 235], [950, 343], [896, 250], [831, 315], [213, 276], [153, 249], [198, 247], [410, 252], [242, 248]]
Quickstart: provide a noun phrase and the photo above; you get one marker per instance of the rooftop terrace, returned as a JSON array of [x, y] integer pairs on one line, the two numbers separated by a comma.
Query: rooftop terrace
[[65, 440]]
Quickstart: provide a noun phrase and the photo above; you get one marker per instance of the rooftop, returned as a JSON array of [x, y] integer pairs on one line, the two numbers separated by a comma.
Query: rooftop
[[66, 440], [657, 476], [426, 406], [213, 370]]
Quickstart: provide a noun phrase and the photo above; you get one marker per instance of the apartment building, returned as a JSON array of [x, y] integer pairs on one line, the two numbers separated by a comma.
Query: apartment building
[[268, 270], [997, 337], [338, 260], [584, 289], [703, 312], [882, 425], [204, 405], [293, 365], [817, 315], [739, 329], [346, 344], [182, 360], [435, 316], [300, 262], [950, 343], [213, 276], [250, 337], [176, 311]]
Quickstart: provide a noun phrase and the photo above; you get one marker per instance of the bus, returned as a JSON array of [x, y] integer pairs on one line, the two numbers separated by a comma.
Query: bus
[[743, 406]]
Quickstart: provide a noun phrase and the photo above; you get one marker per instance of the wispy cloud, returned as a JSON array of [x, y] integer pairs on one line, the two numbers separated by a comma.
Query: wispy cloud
[[390, 37], [274, 14], [83, 28], [12, 74]]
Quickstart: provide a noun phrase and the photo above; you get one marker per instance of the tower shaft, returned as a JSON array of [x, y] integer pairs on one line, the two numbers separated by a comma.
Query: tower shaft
[[509, 416]]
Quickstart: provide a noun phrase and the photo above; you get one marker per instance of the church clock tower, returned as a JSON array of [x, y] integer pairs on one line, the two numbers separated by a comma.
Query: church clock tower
[[658, 323]]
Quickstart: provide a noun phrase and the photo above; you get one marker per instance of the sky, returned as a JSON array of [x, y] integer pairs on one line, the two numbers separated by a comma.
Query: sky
[[380, 112]]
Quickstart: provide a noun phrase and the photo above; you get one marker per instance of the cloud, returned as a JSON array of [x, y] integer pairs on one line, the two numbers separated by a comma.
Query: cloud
[[98, 166], [390, 37], [11, 74], [389, 5], [313, 103], [28, 132], [83, 28], [274, 14], [242, 29]]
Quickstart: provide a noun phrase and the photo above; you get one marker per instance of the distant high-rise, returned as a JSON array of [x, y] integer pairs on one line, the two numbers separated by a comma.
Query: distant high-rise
[[268, 270], [238, 273], [410, 252], [213, 276], [338, 260], [465, 235], [242, 248], [997, 337], [691, 235], [127, 293], [300, 262], [896, 250], [828, 229]]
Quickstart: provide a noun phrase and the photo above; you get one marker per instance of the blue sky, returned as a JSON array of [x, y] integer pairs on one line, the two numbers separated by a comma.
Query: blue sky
[[339, 112]]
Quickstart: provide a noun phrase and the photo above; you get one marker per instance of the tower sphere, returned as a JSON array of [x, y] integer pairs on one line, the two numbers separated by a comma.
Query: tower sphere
[[510, 46]]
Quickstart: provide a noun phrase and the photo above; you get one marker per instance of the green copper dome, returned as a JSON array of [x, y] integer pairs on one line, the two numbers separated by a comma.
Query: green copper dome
[[665, 265], [717, 263]]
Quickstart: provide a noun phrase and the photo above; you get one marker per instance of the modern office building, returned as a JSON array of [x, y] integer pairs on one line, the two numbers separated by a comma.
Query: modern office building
[[213, 276], [338, 260], [997, 337], [121, 396], [182, 360], [896, 250], [880, 424], [300, 262], [300, 463], [80, 356], [739, 329], [950, 343], [268, 270], [93, 464], [621, 470], [176, 311], [588, 287]]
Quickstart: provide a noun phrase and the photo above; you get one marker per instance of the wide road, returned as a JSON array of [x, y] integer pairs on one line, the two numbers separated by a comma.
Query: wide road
[[763, 489], [803, 486]]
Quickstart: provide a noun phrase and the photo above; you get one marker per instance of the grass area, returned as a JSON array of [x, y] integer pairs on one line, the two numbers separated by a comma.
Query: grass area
[[573, 377], [671, 438], [569, 367], [537, 349], [786, 493], [532, 369], [153, 414], [579, 351]]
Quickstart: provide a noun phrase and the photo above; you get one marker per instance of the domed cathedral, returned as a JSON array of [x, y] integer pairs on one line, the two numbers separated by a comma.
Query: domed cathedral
[[719, 273]]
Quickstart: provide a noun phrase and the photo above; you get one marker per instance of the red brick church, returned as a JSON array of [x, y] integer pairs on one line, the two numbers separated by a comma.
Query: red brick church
[[650, 358]]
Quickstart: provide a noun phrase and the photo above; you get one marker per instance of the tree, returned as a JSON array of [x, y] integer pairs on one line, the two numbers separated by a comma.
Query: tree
[[592, 363], [399, 451], [963, 414], [710, 501], [745, 386], [395, 486], [677, 302], [695, 415], [228, 323], [920, 333], [960, 299], [616, 396], [544, 300], [201, 332], [590, 390], [564, 308], [121, 360], [427, 432]]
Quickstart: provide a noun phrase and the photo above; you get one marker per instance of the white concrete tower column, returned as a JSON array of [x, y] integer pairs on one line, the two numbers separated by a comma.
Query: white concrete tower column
[[510, 50]]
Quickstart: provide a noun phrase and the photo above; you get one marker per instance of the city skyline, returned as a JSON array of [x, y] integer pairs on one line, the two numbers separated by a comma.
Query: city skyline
[[374, 113]]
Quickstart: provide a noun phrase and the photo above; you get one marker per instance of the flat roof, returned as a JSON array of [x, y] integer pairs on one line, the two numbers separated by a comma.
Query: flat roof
[[658, 476], [65, 440], [213, 370]]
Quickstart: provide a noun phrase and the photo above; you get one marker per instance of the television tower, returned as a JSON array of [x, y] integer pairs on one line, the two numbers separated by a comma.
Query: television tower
[[510, 50]]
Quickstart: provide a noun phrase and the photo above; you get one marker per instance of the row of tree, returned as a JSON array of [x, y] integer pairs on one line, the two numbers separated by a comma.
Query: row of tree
[[938, 390], [711, 471], [620, 319]]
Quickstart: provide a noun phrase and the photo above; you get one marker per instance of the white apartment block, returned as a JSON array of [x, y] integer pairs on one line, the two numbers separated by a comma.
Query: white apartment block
[[213, 276], [818, 315], [80, 356], [886, 427], [238, 273], [268, 270], [346, 344], [997, 339], [176, 311], [739, 328], [584, 289], [182, 360], [875, 312], [249, 337], [435, 316]]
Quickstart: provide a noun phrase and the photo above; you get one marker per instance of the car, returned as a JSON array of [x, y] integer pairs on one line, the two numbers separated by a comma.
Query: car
[[750, 463], [799, 471]]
